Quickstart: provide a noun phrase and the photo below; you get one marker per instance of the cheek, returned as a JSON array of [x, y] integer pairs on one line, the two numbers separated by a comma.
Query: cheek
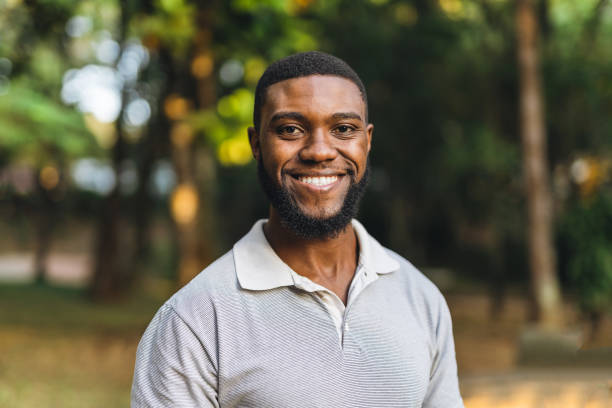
[[358, 154], [272, 163], [276, 155], [270, 166]]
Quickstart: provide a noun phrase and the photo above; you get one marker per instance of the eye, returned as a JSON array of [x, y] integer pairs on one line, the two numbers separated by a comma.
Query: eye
[[289, 130], [344, 130]]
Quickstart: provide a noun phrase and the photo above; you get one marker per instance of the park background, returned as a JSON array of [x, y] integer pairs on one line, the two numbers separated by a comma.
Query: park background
[[125, 169]]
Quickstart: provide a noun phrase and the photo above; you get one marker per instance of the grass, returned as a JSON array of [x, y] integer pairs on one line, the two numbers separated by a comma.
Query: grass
[[61, 350], [45, 307]]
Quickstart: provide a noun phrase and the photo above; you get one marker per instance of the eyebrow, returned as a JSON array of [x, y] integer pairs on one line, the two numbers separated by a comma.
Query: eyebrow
[[298, 116], [346, 115], [287, 115]]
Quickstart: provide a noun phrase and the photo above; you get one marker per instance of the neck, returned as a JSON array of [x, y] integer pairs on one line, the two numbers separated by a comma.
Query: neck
[[323, 260]]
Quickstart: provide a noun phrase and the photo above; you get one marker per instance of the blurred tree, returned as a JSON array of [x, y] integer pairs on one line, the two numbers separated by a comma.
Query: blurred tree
[[586, 233], [112, 271], [40, 132], [35, 128], [542, 262]]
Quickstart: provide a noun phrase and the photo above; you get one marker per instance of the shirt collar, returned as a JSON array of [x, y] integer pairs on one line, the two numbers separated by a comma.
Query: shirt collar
[[258, 267]]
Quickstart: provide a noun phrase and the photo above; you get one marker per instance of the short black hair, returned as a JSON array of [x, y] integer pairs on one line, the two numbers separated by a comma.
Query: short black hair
[[301, 65]]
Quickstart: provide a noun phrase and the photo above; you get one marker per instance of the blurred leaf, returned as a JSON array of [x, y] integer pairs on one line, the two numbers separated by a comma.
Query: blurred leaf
[[586, 230], [32, 124]]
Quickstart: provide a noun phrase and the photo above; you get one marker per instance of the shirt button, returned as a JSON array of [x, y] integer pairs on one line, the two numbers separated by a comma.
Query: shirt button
[[346, 327]]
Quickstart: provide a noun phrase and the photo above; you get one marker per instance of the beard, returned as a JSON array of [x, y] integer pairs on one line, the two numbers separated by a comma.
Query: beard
[[304, 225]]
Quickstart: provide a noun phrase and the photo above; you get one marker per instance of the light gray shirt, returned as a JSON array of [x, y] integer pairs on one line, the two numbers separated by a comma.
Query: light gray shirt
[[332, 302], [247, 332]]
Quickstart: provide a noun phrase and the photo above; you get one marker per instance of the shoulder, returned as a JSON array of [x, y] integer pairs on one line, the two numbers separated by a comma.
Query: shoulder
[[414, 277], [211, 286], [191, 312], [394, 267], [425, 298]]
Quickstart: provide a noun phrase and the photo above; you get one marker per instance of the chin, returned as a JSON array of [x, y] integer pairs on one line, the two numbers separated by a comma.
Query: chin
[[320, 213]]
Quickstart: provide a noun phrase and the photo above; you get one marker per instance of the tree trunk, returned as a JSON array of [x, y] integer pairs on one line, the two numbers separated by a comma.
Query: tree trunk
[[45, 212], [185, 203], [147, 150], [191, 202], [110, 268], [545, 285], [206, 177]]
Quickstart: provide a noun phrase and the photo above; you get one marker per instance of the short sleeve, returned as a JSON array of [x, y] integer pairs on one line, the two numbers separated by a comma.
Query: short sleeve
[[443, 391], [173, 367]]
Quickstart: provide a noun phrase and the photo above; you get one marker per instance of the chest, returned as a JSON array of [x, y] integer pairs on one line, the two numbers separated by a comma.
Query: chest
[[283, 350]]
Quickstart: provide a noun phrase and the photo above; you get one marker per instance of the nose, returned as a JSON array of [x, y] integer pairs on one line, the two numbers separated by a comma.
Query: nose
[[319, 147]]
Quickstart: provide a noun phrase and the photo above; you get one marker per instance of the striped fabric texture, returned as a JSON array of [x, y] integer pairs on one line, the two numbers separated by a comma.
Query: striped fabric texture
[[241, 334]]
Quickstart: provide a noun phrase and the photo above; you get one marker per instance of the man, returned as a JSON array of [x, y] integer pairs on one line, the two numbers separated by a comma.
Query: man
[[306, 310]]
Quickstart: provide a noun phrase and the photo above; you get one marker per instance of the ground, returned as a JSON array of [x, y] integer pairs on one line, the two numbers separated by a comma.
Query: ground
[[60, 350], [487, 351]]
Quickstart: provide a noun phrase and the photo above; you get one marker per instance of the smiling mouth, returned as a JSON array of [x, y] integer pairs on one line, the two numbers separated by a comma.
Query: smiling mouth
[[318, 181]]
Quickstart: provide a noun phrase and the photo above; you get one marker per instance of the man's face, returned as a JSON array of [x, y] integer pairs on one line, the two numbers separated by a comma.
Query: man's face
[[312, 149]]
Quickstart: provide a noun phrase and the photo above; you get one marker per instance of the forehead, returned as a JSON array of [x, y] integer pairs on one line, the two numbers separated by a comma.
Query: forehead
[[316, 93]]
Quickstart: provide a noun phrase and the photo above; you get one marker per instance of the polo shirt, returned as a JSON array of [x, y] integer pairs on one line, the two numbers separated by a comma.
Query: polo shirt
[[332, 302], [250, 332]]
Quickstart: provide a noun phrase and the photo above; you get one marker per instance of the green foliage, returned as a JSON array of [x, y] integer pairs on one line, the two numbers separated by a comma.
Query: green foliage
[[478, 167], [35, 127], [586, 231], [283, 6], [478, 149], [47, 67], [226, 126], [173, 22]]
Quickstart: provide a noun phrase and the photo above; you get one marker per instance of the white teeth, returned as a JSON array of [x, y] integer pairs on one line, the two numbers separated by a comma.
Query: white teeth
[[319, 181]]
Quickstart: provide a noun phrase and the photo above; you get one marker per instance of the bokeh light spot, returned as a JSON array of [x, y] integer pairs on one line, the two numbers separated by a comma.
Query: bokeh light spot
[[184, 203], [107, 51], [137, 112], [163, 178], [202, 66], [94, 175], [49, 177], [104, 132], [181, 134], [96, 89], [78, 26], [231, 72], [452, 8], [405, 14], [235, 151], [176, 107], [253, 69]]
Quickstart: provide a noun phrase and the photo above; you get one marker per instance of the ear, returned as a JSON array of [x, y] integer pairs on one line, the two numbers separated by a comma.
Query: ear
[[254, 142], [369, 132]]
